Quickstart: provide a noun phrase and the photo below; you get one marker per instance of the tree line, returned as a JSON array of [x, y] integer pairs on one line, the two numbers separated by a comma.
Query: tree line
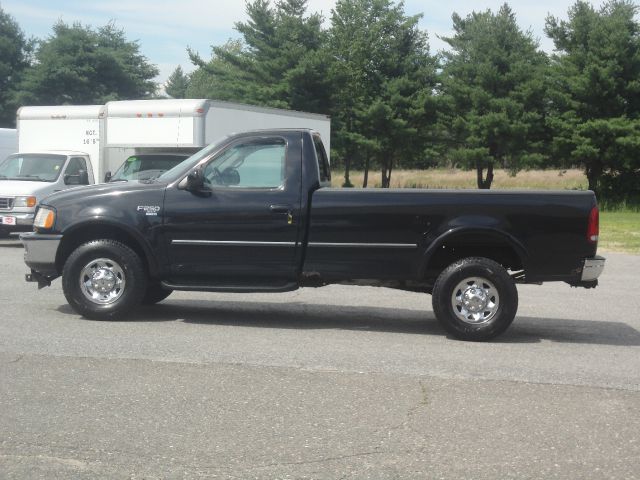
[[493, 99]]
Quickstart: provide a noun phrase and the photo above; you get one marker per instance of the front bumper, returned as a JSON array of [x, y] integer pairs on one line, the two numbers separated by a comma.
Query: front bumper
[[16, 222], [40, 253], [592, 268]]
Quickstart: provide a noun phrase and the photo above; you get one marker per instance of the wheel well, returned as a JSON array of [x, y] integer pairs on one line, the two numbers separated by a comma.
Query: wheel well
[[85, 234], [485, 245]]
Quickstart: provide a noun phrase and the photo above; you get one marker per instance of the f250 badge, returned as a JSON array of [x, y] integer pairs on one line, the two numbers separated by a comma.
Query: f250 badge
[[149, 210]]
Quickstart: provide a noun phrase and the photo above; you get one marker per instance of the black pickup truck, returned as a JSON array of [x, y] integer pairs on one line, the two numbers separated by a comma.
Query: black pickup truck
[[255, 213]]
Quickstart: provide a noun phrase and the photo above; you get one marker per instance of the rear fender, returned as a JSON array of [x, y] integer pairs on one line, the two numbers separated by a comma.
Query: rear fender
[[465, 235]]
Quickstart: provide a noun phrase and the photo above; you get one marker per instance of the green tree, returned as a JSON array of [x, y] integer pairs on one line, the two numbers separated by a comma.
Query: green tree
[[277, 64], [14, 59], [596, 94], [177, 83], [493, 83], [382, 79], [217, 78], [80, 65]]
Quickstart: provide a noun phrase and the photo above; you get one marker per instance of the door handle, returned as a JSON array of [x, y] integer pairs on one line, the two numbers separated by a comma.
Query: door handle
[[286, 209], [280, 208]]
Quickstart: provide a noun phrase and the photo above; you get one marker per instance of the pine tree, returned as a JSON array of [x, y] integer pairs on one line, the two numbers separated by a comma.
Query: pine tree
[[493, 94], [596, 95]]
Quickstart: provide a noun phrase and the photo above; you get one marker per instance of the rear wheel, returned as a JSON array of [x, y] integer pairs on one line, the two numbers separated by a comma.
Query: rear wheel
[[104, 279], [475, 299]]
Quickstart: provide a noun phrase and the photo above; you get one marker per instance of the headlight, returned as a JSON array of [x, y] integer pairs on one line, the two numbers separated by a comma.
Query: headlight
[[45, 218], [25, 202]]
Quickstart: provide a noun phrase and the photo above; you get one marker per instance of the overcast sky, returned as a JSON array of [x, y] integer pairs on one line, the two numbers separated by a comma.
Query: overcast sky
[[165, 28]]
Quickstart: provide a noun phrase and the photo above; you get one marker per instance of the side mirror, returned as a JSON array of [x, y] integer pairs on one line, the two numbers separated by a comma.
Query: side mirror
[[71, 180], [107, 177], [194, 183], [83, 177]]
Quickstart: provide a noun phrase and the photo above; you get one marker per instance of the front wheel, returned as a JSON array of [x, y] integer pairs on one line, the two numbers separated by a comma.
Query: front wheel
[[475, 299], [103, 279]]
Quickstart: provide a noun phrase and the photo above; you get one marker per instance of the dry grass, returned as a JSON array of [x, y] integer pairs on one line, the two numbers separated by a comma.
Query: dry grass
[[572, 179]]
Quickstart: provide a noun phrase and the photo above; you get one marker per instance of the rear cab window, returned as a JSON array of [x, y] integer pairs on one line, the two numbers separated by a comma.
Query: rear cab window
[[323, 162]]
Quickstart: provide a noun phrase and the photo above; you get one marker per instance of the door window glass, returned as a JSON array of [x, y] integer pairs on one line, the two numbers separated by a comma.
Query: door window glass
[[75, 165], [252, 164]]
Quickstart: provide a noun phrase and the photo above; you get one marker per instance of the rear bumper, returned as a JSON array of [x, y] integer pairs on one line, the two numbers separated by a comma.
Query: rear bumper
[[592, 268], [40, 252]]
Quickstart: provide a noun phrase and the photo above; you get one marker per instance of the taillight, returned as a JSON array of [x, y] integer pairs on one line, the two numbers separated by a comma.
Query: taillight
[[593, 229]]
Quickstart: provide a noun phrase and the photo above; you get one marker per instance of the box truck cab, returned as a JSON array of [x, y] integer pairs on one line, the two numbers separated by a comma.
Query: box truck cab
[[58, 148]]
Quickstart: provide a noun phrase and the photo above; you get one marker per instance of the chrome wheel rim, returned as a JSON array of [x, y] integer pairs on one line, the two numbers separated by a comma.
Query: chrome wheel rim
[[475, 300], [102, 281]]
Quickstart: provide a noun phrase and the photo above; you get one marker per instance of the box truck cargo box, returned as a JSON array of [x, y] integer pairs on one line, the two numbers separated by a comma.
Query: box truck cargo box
[[194, 124]]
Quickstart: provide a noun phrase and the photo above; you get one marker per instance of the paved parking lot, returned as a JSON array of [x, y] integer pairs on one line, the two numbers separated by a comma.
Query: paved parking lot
[[337, 382]]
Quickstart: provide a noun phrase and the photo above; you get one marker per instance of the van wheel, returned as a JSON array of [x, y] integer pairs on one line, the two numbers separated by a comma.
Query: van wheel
[[103, 279], [475, 299], [155, 293]]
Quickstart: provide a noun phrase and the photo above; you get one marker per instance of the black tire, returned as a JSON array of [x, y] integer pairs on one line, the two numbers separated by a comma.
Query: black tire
[[155, 293], [475, 299], [117, 263]]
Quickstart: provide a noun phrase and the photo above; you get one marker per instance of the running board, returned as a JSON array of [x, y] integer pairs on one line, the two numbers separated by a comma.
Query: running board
[[231, 289]]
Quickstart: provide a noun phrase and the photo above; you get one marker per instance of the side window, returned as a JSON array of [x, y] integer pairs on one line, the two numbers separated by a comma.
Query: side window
[[75, 165], [77, 170], [323, 161], [251, 164]]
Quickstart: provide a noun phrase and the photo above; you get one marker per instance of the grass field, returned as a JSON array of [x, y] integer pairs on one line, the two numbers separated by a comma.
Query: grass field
[[619, 230]]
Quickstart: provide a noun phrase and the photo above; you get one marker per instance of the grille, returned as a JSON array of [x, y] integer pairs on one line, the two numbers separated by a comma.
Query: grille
[[6, 203]]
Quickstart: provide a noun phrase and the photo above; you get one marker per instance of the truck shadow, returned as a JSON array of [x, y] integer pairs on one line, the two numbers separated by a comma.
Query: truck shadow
[[303, 316]]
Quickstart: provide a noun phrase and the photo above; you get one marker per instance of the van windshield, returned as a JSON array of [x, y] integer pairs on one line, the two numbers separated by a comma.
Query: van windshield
[[34, 167], [146, 167]]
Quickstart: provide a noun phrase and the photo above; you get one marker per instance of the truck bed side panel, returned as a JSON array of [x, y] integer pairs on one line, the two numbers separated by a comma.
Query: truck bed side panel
[[375, 233]]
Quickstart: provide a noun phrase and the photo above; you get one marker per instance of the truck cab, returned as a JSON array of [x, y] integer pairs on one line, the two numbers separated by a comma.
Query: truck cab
[[27, 178]]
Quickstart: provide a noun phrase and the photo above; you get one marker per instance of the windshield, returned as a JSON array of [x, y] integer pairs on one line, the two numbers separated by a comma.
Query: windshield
[[146, 167], [32, 167]]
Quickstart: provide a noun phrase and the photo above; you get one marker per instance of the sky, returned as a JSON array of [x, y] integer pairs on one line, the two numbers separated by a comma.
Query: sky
[[164, 29]]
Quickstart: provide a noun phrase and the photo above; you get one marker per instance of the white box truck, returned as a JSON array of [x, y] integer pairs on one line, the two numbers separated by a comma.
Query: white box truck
[[8, 142], [186, 125]]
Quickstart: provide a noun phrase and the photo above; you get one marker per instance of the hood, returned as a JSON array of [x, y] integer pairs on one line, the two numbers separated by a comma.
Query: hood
[[89, 193], [18, 187]]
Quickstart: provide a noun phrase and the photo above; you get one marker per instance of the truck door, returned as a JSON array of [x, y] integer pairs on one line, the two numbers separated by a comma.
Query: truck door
[[244, 232]]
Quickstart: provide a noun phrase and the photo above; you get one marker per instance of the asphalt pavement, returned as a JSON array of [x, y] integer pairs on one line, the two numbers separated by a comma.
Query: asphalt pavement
[[336, 382]]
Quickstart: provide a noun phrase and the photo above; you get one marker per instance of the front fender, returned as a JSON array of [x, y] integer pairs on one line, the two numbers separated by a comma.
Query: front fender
[[108, 227]]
